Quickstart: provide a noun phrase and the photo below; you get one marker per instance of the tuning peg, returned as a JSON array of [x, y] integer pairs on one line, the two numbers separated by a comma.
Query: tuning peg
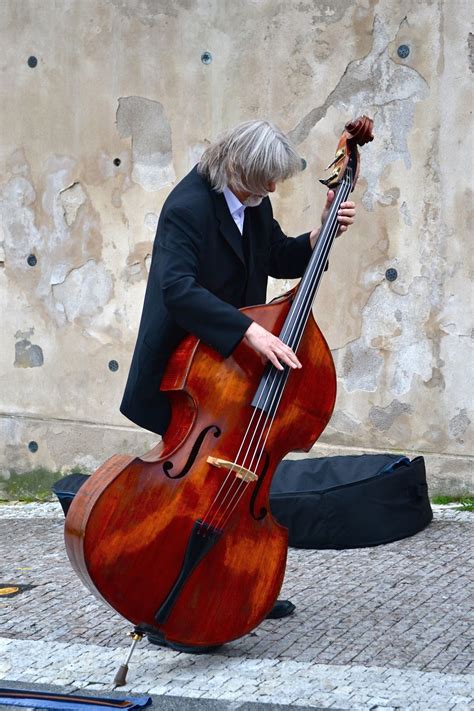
[[332, 180], [339, 155]]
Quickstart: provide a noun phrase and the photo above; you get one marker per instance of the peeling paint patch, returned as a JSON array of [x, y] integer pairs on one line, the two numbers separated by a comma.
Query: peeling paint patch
[[59, 272], [342, 422], [145, 122], [361, 366], [27, 355], [21, 235], [57, 176], [459, 424], [398, 336], [383, 417], [71, 199], [137, 262], [84, 291], [390, 197], [437, 379]]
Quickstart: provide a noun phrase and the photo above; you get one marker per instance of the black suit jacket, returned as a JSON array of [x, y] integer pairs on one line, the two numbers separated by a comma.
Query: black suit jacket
[[198, 280]]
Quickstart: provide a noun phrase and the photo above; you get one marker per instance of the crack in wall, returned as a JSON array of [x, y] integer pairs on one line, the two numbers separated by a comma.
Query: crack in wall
[[72, 198], [375, 84], [348, 85]]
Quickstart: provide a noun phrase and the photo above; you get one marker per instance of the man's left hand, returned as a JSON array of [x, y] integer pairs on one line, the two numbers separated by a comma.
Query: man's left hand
[[345, 216]]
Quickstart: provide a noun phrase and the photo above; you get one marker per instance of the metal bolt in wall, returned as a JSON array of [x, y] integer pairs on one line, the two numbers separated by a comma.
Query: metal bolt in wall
[[403, 51], [32, 62], [206, 57], [113, 366], [31, 259], [391, 274], [33, 446], [117, 161]]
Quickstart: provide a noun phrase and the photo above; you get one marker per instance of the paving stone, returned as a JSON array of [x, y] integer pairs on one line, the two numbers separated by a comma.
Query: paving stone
[[382, 628]]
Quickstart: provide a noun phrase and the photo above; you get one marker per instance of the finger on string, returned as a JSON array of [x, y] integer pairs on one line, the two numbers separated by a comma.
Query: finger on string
[[283, 358], [284, 348], [272, 357], [290, 357], [329, 199], [296, 362]]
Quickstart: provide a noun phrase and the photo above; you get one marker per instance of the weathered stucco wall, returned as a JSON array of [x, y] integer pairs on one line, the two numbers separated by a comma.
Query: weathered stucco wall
[[120, 105]]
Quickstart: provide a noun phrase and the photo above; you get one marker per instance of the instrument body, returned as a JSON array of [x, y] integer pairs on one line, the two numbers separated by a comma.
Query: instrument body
[[128, 527], [181, 541]]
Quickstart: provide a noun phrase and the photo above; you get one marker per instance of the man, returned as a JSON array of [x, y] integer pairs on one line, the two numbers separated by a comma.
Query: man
[[216, 244]]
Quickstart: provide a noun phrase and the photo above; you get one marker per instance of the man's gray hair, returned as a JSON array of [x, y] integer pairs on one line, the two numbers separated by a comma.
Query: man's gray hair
[[248, 157]]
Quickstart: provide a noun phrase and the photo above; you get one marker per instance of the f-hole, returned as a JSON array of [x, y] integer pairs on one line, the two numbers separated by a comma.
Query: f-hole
[[263, 511], [168, 465]]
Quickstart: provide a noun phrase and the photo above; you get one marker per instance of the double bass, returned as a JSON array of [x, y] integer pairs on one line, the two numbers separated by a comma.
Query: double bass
[[181, 541]]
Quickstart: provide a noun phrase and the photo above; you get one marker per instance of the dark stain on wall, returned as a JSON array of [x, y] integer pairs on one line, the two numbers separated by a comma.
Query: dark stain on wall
[[27, 355]]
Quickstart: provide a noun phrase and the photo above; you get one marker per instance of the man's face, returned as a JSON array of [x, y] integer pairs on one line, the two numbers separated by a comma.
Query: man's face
[[252, 200]]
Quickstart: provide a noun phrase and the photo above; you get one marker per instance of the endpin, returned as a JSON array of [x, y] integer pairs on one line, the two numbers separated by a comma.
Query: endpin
[[120, 678]]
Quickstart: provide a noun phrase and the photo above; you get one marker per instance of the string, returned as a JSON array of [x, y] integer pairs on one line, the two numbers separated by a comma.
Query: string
[[276, 375], [283, 378], [278, 378], [314, 272]]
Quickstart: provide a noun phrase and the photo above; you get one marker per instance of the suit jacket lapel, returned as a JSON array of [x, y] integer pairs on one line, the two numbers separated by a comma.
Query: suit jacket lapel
[[252, 291], [227, 226]]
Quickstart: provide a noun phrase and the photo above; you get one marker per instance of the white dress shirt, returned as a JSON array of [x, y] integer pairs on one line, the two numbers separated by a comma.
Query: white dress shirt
[[236, 208]]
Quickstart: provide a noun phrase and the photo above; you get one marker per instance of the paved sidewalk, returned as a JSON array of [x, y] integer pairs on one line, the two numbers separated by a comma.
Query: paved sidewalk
[[388, 627]]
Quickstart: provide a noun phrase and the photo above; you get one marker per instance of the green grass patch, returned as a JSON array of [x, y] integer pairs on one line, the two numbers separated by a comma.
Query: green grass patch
[[466, 502], [34, 485]]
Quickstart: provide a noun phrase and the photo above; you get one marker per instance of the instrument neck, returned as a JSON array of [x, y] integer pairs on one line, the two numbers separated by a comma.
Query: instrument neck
[[295, 322], [273, 382]]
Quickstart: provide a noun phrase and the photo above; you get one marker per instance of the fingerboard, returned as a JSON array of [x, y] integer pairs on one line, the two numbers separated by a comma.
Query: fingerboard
[[272, 384]]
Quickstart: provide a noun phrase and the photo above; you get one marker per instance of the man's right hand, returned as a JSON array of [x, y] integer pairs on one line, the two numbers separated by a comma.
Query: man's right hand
[[270, 347]]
